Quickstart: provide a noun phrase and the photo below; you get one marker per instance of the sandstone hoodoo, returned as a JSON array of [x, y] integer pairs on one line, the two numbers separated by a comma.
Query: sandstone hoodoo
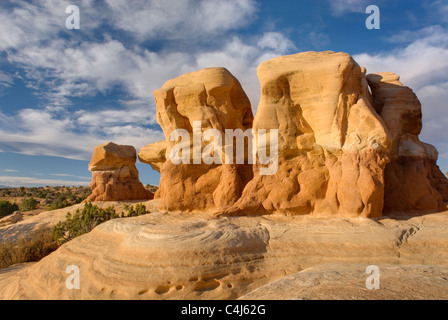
[[114, 175], [214, 98], [332, 145], [412, 162], [341, 150]]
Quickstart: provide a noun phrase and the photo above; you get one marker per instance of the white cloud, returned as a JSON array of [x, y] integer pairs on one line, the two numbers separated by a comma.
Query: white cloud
[[242, 57], [10, 170], [180, 19], [26, 23], [77, 65], [97, 67], [275, 41], [434, 34], [44, 132], [80, 65]]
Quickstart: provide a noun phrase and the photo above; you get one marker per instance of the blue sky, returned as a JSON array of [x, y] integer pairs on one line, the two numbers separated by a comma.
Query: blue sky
[[64, 91]]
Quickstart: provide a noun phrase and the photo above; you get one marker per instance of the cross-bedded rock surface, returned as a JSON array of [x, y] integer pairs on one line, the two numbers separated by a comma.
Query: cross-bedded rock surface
[[185, 256]]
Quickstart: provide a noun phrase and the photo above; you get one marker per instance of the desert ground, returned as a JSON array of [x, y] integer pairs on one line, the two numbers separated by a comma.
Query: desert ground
[[169, 255]]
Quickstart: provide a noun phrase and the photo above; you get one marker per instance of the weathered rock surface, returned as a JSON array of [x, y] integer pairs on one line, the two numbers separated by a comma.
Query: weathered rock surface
[[413, 163], [332, 145], [214, 98], [340, 150], [341, 281], [114, 175], [153, 154], [12, 218], [184, 256]]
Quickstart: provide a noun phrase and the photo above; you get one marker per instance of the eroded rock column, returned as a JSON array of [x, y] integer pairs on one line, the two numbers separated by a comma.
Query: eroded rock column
[[194, 103], [114, 175], [414, 183], [332, 145]]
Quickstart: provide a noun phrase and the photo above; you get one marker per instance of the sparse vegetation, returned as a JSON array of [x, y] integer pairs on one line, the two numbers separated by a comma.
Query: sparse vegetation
[[91, 215], [6, 208], [140, 209], [45, 198], [44, 241], [25, 249], [151, 188], [82, 222], [29, 204]]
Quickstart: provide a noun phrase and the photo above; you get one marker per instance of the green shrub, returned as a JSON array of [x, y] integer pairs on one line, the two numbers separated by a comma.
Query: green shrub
[[139, 210], [82, 222], [42, 194], [59, 204], [29, 204], [69, 198], [6, 208], [27, 249]]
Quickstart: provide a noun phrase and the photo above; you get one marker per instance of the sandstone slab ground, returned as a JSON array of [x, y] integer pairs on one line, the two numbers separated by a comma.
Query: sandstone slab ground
[[197, 256]]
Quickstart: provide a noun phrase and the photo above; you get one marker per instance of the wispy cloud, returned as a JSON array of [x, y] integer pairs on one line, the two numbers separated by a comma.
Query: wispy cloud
[[80, 64], [341, 7], [30, 181], [68, 175], [179, 19], [6, 79], [61, 68], [46, 132], [10, 170]]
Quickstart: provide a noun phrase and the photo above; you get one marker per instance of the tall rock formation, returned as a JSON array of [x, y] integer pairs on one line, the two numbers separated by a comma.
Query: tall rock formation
[[413, 180], [114, 175], [332, 145], [338, 149], [192, 104]]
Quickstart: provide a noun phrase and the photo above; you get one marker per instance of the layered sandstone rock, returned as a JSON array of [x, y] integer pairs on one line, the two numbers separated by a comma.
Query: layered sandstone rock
[[332, 145], [114, 175], [328, 140], [196, 102], [413, 180], [153, 154], [339, 281], [184, 256]]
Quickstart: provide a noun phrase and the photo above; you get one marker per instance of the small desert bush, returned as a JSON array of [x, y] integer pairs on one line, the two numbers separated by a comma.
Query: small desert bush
[[6, 208], [68, 198], [82, 222], [45, 241], [140, 209], [29, 204], [27, 249]]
